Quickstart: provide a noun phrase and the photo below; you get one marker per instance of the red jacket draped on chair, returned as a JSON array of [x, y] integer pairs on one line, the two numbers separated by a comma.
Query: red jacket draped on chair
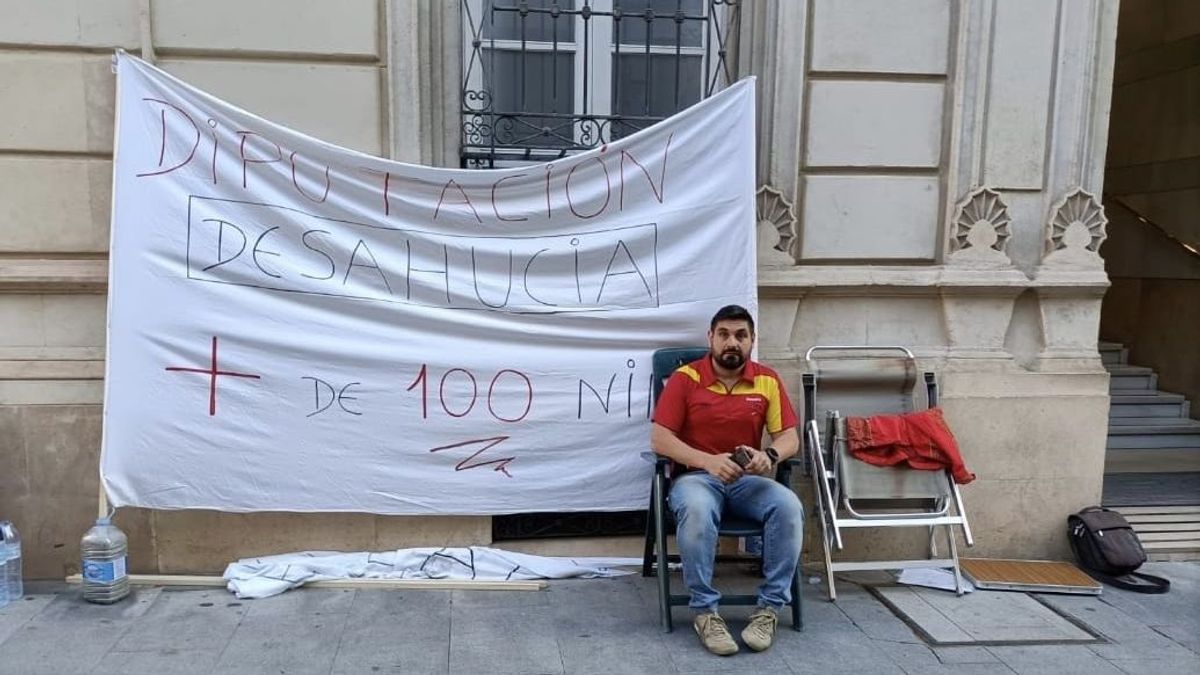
[[920, 440]]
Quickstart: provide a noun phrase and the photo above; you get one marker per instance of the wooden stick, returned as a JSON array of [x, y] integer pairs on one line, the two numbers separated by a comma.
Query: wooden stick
[[406, 584], [163, 580], [437, 584], [103, 501]]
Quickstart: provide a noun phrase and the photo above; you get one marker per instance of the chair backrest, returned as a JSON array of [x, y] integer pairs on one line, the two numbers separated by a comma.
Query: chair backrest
[[668, 360], [861, 382], [861, 385]]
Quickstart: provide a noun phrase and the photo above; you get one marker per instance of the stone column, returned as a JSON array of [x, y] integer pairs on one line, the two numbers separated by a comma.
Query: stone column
[[979, 283], [1071, 281], [771, 45], [424, 58]]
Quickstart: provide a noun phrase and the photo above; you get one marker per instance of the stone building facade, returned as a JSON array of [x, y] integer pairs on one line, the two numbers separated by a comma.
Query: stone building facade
[[930, 172]]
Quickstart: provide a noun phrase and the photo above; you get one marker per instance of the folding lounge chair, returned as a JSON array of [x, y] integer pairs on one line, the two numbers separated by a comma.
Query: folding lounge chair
[[851, 494], [659, 519]]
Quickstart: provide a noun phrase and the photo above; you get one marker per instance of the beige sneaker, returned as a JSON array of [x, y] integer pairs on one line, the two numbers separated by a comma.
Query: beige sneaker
[[761, 631], [714, 634]]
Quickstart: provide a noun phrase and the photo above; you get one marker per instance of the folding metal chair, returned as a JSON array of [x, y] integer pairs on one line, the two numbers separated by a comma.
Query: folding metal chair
[[851, 494], [660, 520]]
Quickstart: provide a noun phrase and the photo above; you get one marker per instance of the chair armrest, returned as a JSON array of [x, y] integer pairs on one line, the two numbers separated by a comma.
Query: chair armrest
[[661, 464], [783, 472]]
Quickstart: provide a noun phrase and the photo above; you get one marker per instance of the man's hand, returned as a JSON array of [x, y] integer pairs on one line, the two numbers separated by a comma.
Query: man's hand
[[759, 464], [723, 468]]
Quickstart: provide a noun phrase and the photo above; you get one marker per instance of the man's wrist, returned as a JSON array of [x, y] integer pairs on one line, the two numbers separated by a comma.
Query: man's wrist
[[772, 454]]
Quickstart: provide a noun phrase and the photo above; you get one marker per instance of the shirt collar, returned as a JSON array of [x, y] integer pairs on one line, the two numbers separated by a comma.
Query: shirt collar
[[708, 375]]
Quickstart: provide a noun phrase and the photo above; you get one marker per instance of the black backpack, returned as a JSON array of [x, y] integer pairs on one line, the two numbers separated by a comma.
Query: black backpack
[[1109, 550]]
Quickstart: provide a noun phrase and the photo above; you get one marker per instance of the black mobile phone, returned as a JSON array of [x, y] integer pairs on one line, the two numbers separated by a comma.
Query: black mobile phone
[[741, 458]]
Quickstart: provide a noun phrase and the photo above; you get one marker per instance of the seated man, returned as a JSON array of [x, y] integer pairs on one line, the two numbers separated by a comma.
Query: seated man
[[709, 410]]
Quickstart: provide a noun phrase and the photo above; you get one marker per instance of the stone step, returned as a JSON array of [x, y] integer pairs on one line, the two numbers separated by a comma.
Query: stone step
[[1167, 533], [1152, 492], [1128, 369], [1184, 425], [1141, 421], [1152, 404], [1158, 460], [1182, 433], [1125, 377], [1113, 353]]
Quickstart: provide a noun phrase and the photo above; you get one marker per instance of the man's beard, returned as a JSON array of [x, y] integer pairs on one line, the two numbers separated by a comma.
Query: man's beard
[[731, 359]]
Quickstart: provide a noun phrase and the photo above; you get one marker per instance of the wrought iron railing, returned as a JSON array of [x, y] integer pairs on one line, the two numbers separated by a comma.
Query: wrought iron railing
[[545, 78]]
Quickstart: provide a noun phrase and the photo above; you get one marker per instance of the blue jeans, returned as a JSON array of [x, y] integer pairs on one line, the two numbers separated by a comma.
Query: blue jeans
[[698, 499]]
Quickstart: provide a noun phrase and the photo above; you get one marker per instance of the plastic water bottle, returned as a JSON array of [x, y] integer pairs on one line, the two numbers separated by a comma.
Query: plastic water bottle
[[10, 564], [103, 550]]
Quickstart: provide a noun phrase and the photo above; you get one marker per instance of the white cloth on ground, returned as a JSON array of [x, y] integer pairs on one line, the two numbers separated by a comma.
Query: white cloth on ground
[[272, 575]]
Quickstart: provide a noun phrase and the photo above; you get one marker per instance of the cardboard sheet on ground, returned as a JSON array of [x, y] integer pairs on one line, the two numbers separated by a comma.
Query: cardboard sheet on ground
[[272, 575], [294, 326]]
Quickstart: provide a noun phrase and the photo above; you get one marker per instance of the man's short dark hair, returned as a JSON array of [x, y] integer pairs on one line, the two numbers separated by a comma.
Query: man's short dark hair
[[732, 313]]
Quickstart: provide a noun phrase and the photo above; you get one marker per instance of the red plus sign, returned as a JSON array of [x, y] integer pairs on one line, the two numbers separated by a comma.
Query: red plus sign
[[212, 373]]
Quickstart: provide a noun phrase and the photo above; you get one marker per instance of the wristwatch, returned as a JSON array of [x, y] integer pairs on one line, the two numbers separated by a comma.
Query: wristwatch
[[773, 455]]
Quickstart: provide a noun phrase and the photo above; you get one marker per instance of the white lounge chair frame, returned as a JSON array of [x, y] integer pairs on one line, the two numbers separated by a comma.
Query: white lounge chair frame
[[926, 499]]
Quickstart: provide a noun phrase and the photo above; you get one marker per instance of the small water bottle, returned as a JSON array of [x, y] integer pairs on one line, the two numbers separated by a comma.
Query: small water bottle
[[103, 551], [10, 564]]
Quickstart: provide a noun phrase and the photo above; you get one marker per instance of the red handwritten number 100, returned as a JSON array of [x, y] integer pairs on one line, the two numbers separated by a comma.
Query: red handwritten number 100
[[462, 409]]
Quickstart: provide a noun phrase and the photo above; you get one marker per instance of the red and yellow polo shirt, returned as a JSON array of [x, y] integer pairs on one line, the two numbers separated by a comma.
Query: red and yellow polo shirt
[[707, 416]]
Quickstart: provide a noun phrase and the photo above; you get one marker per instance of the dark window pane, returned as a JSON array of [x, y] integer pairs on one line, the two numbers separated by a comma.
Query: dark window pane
[[502, 24], [531, 81], [662, 28], [633, 91], [525, 84]]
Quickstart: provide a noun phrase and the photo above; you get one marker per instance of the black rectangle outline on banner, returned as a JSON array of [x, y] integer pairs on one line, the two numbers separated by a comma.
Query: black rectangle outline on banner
[[188, 260]]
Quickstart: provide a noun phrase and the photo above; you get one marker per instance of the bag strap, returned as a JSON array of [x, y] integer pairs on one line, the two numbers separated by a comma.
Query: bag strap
[[1154, 585]]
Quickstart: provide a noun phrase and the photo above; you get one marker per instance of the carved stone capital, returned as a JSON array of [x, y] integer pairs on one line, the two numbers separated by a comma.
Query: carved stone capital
[[1075, 231], [980, 231], [776, 227]]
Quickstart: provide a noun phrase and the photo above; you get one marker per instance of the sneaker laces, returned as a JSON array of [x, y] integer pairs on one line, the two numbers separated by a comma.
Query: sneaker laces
[[714, 627], [763, 623]]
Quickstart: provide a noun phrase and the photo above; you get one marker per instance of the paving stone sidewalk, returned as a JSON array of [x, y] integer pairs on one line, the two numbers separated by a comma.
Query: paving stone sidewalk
[[584, 626]]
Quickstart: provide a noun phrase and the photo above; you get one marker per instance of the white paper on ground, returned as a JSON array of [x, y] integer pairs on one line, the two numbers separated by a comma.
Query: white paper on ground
[[942, 579], [272, 575]]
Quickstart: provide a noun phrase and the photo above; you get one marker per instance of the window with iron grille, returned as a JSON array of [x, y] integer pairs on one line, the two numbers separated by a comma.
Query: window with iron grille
[[545, 78]]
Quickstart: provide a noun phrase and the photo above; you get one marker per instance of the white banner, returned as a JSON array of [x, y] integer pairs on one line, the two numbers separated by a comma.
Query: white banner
[[294, 326]]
